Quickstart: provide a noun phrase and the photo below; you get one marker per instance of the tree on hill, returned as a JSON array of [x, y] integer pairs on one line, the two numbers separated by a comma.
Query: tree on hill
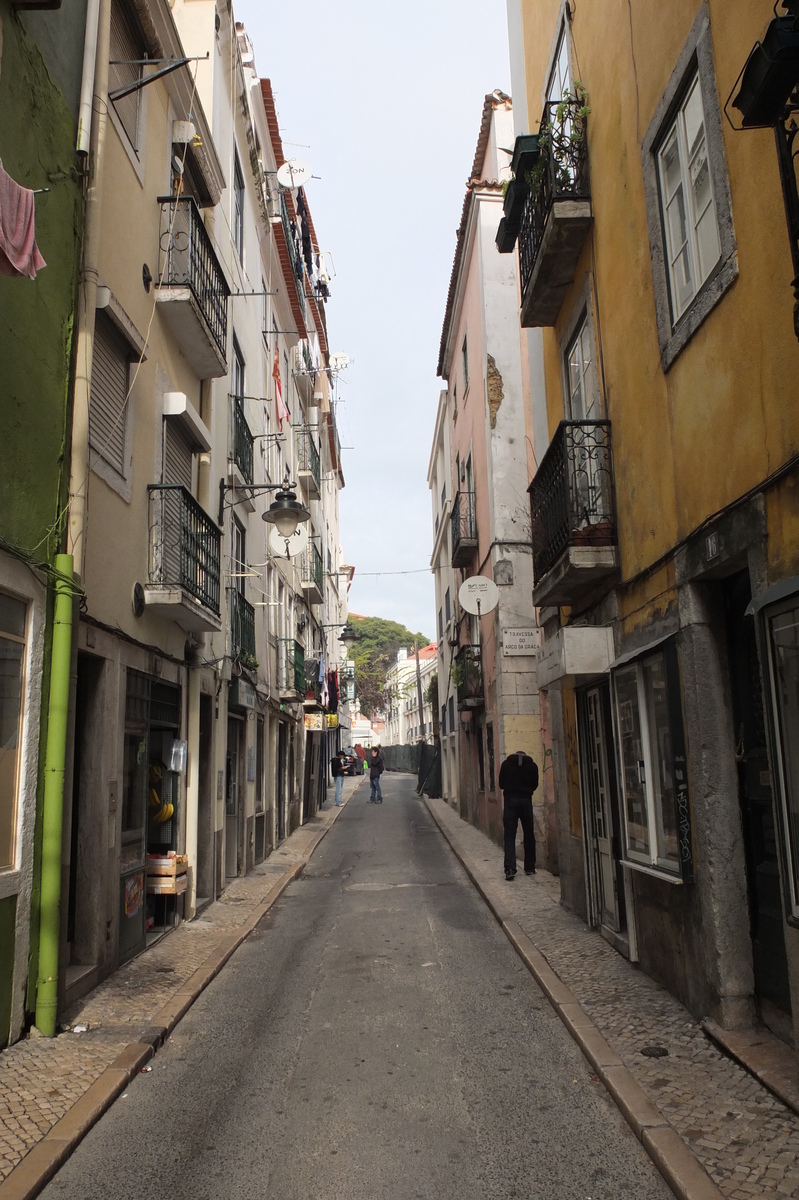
[[375, 653]]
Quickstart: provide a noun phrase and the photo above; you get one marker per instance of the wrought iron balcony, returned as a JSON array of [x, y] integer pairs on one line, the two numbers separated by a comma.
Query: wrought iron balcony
[[464, 529], [573, 513], [468, 674], [312, 574], [192, 292], [291, 668], [309, 469], [557, 213], [242, 626], [184, 566], [241, 440]]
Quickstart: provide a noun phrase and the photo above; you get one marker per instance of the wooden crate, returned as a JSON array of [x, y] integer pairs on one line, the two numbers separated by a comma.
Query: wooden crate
[[167, 867], [163, 885]]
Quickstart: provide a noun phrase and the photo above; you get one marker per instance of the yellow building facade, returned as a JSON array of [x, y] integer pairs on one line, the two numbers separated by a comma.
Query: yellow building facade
[[655, 269]]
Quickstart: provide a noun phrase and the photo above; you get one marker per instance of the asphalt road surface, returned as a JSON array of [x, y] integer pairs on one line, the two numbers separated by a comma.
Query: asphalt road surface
[[375, 1038]]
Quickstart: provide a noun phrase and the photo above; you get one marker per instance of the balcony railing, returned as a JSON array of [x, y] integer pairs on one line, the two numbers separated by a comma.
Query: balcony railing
[[309, 467], [571, 495], [184, 544], [468, 673], [291, 666], [312, 574], [242, 440], [297, 266], [464, 529], [557, 212], [187, 260], [242, 625]]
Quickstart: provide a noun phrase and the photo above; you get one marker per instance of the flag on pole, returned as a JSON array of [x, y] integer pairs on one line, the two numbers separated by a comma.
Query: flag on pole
[[280, 404]]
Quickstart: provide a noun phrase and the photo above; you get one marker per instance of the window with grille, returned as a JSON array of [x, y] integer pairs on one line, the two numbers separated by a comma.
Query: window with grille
[[108, 407]]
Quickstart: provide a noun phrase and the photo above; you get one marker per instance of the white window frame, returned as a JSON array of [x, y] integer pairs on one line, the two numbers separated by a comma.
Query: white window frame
[[695, 61], [652, 862], [676, 135]]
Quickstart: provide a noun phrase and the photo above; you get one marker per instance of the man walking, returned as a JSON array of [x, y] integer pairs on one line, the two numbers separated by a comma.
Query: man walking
[[377, 764], [518, 778], [337, 771]]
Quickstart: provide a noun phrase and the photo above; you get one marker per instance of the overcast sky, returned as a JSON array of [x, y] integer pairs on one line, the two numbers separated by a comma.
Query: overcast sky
[[384, 102]]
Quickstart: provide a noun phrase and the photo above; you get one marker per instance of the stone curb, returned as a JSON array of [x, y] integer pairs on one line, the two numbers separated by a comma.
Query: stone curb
[[43, 1159], [676, 1162]]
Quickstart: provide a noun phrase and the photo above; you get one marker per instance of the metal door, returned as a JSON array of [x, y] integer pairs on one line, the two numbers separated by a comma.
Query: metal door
[[757, 809], [601, 804], [233, 798]]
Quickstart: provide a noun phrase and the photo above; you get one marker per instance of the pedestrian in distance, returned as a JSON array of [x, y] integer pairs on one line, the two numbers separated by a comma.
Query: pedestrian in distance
[[337, 771], [518, 779], [377, 765]]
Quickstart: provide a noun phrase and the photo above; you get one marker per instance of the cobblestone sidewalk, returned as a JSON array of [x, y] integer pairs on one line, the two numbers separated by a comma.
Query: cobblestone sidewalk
[[746, 1139], [41, 1078]]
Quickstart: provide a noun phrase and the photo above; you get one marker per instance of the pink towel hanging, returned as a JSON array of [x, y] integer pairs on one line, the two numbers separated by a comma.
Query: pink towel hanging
[[19, 254]]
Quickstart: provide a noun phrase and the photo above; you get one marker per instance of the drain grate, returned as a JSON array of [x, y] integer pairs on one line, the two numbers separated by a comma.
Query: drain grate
[[655, 1052]]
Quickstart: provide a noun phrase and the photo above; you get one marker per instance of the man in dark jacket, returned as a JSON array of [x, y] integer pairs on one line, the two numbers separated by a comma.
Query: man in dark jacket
[[518, 778], [377, 765], [337, 771]]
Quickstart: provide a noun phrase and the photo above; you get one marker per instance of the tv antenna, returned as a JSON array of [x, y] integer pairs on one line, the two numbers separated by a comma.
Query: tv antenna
[[339, 360], [283, 547]]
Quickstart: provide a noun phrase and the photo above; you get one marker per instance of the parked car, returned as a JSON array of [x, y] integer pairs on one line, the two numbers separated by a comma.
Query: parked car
[[351, 762]]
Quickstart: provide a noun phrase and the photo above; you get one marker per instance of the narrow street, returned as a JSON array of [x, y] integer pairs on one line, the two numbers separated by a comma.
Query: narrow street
[[376, 1036]]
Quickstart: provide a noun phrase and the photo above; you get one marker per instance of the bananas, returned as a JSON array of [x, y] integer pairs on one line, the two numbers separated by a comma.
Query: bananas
[[164, 813]]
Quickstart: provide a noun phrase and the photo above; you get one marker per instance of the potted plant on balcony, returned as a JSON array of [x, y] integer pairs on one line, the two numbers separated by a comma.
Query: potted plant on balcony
[[561, 140]]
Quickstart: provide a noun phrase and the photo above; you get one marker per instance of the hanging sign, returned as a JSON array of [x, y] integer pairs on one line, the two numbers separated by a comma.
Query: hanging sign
[[314, 721], [332, 720]]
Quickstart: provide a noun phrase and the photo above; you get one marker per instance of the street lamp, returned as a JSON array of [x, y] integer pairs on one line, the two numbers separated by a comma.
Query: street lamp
[[349, 637], [286, 513]]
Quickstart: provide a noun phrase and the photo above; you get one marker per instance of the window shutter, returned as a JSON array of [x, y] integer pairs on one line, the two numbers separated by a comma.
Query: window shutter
[[178, 455], [125, 47], [109, 386]]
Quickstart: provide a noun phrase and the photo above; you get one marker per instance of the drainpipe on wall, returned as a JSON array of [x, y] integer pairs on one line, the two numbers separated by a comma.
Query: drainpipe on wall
[[87, 296], [52, 814]]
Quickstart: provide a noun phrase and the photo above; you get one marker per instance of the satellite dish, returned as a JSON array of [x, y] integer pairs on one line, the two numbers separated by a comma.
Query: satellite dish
[[478, 595], [293, 174], [339, 360], [288, 547]]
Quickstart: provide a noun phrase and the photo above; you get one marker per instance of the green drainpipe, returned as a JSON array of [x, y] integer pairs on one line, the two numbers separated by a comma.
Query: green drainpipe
[[52, 816]]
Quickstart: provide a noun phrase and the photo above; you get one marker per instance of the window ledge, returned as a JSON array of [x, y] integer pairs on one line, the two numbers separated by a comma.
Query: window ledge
[[658, 872]]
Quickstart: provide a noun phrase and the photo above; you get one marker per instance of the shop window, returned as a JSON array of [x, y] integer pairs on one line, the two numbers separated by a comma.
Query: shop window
[[783, 638], [653, 766], [12, 655]]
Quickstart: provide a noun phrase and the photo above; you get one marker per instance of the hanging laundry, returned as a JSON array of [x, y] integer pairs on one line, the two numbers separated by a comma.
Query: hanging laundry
[[305, 231], [280, 404], [19, 254]]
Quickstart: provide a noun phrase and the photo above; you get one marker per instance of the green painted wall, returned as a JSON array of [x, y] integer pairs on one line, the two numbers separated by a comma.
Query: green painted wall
[[40, 58], [36, 316]]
